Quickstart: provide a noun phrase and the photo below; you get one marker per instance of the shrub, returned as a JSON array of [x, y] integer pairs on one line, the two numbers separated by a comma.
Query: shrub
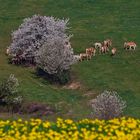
[[9, 94], [33, 33], [55, 58], [108, 105], [61, 78], [44, 41]]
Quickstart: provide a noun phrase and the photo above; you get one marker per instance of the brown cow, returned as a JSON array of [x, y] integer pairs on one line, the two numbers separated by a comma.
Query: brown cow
[[84, 56], [104, 49], [91, 51], [107, 43], [130, 45]]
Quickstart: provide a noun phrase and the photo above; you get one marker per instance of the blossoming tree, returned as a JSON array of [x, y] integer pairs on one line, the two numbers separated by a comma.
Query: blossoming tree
[[46, 41]]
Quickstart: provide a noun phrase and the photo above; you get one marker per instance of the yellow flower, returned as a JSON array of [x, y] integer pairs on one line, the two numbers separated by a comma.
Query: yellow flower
[[36, 129]]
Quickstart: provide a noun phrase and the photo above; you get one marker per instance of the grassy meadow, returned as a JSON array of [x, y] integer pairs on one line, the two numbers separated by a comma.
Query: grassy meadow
[[90, 21]]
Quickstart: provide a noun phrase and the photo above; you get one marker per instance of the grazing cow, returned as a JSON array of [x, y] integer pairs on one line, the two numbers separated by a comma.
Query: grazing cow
[[84, 56], [15, 60], [91, 51], [107, 43], [98, 45], [113, 51], [94, 51], [130, 45], [77, 58], [104, 49]]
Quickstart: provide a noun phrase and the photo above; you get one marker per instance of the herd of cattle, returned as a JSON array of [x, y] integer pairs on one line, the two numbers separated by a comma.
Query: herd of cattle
[[21, 59], [103, 48]]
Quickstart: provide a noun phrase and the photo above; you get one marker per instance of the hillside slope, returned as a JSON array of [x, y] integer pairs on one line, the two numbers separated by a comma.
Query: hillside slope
[[90, 21]]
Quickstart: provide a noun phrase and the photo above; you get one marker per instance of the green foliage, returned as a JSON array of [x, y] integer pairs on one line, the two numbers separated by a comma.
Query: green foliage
[[62, 77]]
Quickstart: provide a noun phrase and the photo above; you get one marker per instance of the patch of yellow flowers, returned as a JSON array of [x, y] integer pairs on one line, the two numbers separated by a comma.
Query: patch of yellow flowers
[[36, 129]]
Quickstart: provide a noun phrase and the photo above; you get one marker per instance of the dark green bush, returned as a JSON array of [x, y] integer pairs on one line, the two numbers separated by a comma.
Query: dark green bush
[[58, 78]]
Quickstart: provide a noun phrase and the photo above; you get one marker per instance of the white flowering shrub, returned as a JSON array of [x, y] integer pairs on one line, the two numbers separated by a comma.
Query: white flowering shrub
[[9, 94], [35, 32], [108, 105], [46, 40], [54, 56]]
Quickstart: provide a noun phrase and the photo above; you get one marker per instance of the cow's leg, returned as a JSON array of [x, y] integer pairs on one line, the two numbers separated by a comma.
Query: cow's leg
[[80, 58], [90, 57], [104, 50], [108, 49], [134, 47]]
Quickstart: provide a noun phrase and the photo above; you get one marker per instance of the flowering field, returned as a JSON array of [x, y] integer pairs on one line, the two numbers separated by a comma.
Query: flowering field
[[36, 129]]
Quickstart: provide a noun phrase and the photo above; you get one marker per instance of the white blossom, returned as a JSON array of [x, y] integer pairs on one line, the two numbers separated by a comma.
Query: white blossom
[[108, 105], [55, 56], [34, 32]]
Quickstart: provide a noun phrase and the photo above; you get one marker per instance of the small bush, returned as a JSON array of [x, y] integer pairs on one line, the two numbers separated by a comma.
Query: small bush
[[63, 77], [108, 105], [9, 94]]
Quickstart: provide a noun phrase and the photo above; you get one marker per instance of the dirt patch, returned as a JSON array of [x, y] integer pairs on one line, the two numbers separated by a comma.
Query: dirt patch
[[73, 85], [89, 94], [36, 109]]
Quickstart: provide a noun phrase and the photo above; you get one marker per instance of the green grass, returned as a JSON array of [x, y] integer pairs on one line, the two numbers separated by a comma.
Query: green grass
[[90, 21]]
